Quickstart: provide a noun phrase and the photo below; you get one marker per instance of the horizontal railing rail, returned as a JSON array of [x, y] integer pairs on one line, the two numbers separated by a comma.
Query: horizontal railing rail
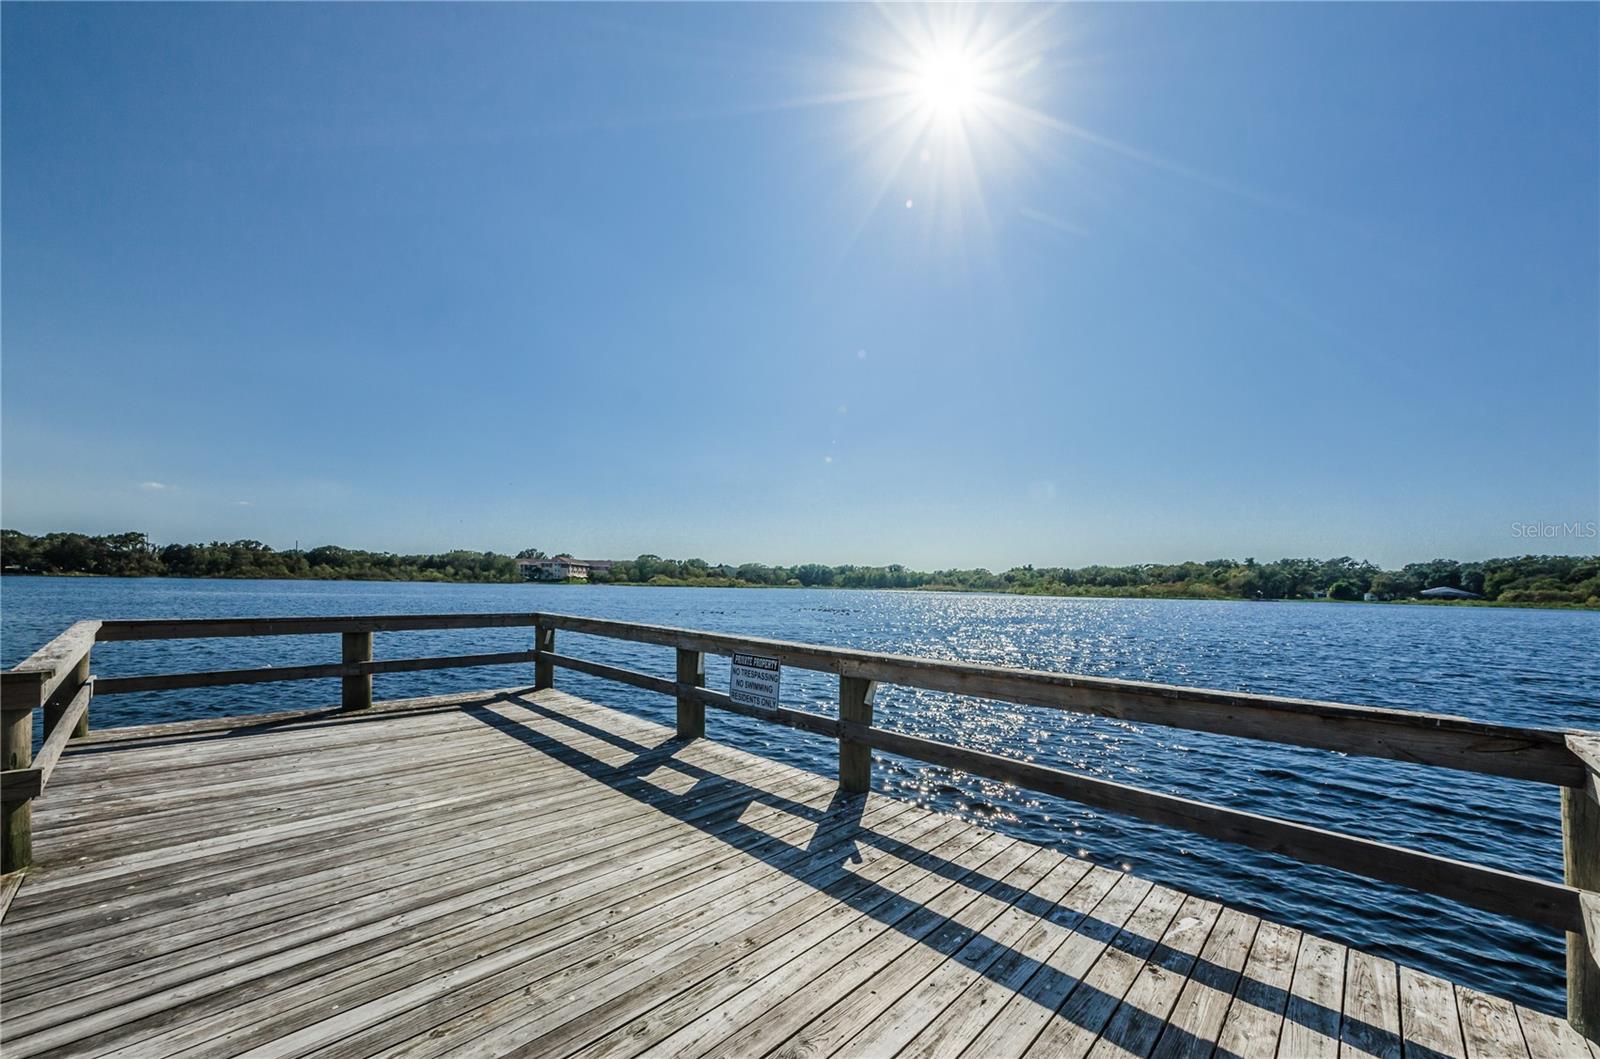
[[1454, 742], [1569, 760], [209, 628], [272, 674]]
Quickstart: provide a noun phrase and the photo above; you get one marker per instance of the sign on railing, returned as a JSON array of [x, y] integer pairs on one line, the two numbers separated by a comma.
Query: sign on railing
[[754, 680]]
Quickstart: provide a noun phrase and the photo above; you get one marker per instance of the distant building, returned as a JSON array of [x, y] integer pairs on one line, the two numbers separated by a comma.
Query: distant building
[[559, 569], [562, 568], [1446, 592], [1371, 597]]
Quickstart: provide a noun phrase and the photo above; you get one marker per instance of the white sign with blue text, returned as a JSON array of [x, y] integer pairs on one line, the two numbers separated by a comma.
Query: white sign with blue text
[[754, 681]]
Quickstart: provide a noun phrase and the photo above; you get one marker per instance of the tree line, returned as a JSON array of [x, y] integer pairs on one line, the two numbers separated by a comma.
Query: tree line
[[1528, 579]]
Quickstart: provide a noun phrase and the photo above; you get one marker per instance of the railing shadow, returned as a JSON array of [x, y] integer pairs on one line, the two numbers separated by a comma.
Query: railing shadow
[[1095, 1011]]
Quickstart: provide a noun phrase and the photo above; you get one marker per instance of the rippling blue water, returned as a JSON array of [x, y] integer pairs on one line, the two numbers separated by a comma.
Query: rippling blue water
[[1513, 666]]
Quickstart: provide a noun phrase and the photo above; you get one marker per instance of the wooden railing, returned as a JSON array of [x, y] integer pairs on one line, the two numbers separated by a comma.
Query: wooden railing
[[57, 679]]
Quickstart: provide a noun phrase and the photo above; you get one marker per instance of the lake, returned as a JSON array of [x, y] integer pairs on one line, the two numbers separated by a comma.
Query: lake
[[1530, 667]]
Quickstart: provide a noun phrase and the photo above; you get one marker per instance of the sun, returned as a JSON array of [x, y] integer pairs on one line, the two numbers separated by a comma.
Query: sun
[[942, 109], [946, 82]]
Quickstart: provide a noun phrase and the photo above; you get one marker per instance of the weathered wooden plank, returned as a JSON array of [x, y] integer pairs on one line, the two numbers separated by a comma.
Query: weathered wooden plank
[[64, 695], [120, 764], [1489, 1026], [250, 893], [568, 837], [16, 813], [1371, 1008], [801, 720], [196, 793], [1147, 1007], [912, 891], [1406, 735], [19, 784], [708, 755], [373, 955], [631, 677], [386, 1009], [1585, 747], [413, 810], [1077, 1024], [1580, 842], [319, 814], [491, 1017], [36, 678], [855, 759], [942, 924], [92, 1010], [607, 995], [133, 736], [1429, 1020], [355, 691], [954, 1024], [1196, 1018], [10, 883], [1255, 1018], [346, 984], [208, 628], [1312, 1017], [22, 691], [1030, 1011], [544, 643], [899, 1000], [376, 743], [57, 735], [890, 885], [691, 712], [272, 674], [1548, 1037]]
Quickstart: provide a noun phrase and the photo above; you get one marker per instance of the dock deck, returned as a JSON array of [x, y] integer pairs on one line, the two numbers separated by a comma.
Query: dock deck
[[530, 873]]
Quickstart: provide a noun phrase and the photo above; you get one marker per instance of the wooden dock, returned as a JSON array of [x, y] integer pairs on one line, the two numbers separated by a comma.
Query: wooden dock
[[524, 872]]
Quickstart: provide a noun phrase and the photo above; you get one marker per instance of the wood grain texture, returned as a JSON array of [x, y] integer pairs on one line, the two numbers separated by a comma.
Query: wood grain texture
[[529, 873], [855, 758], [31, 682], [273, 674], [17, 790], [355, 691], [691, 711], [1580, 837]]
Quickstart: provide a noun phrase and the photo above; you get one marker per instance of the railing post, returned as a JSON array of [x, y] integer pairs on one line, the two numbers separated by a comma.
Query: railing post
[[357, 647], [855, 759], [16, 752], [691, 712], [1580, 839], [544, 671]]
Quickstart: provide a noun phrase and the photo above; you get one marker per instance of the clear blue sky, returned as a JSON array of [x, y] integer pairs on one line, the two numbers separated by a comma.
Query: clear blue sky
[[796, 283]]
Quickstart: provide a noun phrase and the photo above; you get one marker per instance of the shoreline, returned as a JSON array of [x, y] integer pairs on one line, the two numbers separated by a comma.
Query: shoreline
[[932, 589]]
